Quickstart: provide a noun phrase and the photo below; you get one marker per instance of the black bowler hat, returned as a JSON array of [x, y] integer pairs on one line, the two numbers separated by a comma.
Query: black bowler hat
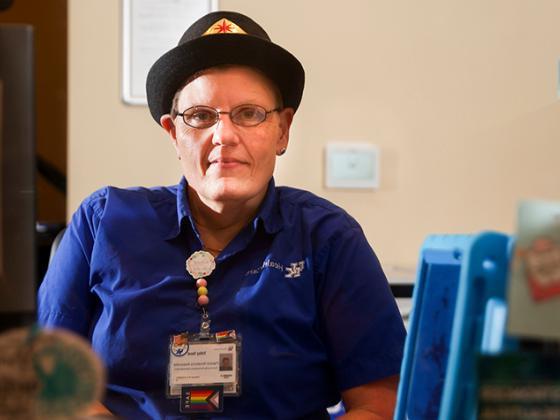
[[222, 38]]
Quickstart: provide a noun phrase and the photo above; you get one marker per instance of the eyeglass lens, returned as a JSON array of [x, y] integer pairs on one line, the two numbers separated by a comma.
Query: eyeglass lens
[[243, 115]]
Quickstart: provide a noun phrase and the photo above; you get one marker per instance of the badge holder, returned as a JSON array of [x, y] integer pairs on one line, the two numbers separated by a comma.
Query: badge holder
[[204, 368]]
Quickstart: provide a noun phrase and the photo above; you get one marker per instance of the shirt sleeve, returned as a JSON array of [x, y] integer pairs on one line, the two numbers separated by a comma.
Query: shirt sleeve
[[364, 329], [64, 298]]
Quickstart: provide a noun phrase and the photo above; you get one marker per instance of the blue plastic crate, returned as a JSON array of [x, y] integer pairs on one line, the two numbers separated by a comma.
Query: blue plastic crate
[[458, 312]]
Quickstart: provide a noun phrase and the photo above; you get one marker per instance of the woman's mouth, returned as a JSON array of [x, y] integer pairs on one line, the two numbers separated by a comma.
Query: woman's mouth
[[225, 163]]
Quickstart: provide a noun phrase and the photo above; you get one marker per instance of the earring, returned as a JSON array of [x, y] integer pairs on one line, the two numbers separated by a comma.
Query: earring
[[178, 157], [281, 152]]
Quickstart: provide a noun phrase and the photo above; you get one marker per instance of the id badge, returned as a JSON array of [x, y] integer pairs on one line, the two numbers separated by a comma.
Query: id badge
[[204, 360]]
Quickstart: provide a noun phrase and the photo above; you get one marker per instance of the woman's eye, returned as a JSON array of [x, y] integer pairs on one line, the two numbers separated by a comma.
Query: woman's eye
[[202, 116], [248, 113]]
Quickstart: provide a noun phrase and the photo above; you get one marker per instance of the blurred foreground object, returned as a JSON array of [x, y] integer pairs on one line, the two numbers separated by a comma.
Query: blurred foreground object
[[47, 374], [5, 4], [534, 289]]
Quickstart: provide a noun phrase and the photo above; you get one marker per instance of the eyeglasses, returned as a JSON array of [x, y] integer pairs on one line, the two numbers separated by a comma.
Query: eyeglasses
[[202, 116]]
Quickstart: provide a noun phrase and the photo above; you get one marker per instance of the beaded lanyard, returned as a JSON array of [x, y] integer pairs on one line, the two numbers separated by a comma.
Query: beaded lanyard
[[199, 265]]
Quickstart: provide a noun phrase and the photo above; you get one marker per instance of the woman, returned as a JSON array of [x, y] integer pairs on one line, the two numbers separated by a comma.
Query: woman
[[282, 279]]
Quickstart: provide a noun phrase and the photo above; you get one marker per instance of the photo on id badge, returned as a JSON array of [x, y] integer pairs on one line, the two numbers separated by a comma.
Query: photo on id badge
[[226, 361]]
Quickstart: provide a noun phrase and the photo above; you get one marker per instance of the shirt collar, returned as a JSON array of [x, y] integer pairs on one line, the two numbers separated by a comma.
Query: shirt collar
[[268, 214]]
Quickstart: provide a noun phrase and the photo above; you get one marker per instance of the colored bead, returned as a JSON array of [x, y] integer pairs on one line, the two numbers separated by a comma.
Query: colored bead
[[201, 283], [202, 291], [203, 300]]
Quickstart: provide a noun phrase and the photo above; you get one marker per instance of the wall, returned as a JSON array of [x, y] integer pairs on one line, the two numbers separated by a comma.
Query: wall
[[459, 96]]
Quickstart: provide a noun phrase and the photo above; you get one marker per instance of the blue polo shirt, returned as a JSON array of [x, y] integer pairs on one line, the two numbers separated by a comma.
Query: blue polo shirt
[[300, 283]]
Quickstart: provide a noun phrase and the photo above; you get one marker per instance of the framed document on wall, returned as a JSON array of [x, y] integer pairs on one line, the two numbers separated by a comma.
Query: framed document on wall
[[150, 28]]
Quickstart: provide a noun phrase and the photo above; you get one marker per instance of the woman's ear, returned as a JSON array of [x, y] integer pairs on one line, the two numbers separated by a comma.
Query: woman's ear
[[166, 121], [286, 118]]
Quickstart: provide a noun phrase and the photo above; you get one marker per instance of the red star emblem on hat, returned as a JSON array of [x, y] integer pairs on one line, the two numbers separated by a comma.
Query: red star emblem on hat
[[224, 26]]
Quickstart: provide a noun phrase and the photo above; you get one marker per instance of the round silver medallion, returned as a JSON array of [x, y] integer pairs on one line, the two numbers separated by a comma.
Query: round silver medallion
[[200, 264]]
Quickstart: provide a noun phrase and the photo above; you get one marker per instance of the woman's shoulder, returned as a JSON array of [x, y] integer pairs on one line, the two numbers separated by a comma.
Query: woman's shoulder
[[312, 208], [129, 196]]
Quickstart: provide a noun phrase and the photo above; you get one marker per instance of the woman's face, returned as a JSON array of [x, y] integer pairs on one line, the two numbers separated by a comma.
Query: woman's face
[[228, 162]]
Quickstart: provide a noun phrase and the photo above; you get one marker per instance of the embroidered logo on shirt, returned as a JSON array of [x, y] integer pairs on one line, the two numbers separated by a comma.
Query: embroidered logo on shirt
[[266, 264], [295, 269]]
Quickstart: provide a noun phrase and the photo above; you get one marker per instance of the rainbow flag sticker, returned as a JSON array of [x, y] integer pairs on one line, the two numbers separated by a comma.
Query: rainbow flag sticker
[[225, 335], [202, 399]]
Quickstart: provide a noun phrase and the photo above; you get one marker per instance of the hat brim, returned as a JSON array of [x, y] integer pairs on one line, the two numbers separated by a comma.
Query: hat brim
[[172, 69]]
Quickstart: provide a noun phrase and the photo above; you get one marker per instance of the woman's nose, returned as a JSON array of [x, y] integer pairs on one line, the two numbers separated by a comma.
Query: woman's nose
[[225, 131]]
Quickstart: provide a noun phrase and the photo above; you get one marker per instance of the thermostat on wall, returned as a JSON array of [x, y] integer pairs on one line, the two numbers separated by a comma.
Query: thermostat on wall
[[352, 165]]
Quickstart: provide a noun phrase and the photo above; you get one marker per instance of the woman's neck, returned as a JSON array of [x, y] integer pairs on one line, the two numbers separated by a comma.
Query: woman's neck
[[219, 223]]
